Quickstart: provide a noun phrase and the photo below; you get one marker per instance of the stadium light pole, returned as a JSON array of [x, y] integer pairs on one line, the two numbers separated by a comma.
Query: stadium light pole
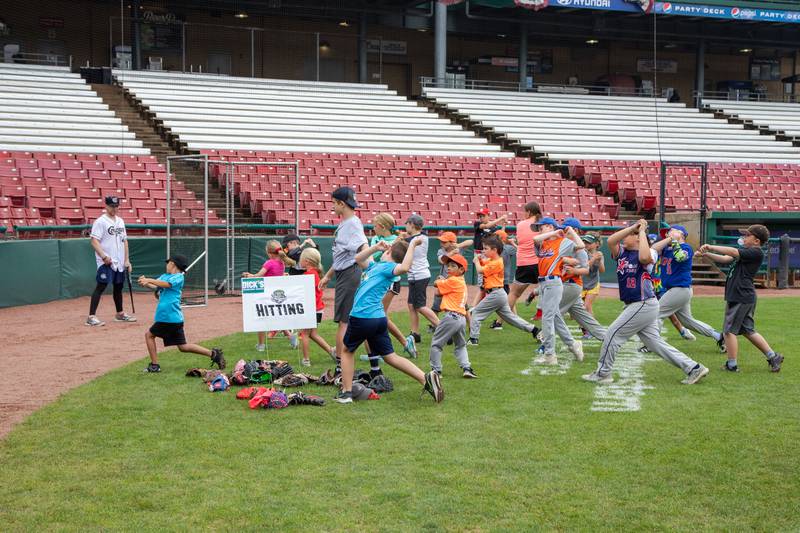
[[440, 44]]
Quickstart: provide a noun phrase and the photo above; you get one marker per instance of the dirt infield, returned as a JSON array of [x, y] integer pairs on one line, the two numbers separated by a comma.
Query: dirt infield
[[49, 350]]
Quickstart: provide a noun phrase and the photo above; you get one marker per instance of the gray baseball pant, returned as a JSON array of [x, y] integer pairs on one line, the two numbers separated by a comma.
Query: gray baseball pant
[[497, 300], [572, 303], [451, 326], [550, 291], [639, 317], [678, 301]]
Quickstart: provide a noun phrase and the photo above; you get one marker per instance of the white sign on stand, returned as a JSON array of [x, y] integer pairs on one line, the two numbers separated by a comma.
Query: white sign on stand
[[278, 303]]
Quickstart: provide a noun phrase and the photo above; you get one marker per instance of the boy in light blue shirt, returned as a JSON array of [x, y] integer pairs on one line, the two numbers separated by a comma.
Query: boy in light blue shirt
[[368, 322], [168, 324]]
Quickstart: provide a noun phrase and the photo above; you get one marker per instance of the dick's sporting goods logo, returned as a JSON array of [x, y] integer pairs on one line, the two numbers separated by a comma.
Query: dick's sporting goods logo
[[252, 285]]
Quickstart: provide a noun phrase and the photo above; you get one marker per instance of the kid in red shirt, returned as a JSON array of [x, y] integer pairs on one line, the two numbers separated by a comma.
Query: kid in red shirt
[[311, 261]]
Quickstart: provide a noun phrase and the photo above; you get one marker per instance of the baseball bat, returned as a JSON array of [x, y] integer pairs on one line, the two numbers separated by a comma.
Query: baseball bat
[[157, 293], [130, 289]]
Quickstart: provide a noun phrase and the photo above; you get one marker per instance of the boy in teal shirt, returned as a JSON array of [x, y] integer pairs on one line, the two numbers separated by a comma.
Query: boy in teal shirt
[[168, 324]]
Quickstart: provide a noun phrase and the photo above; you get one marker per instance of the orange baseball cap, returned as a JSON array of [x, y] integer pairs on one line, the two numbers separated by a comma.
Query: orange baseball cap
[[448, 236], [458, 259], [502, 234]]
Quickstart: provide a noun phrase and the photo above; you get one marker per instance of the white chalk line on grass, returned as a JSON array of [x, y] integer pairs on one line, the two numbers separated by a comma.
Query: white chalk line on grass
[[565, 357]]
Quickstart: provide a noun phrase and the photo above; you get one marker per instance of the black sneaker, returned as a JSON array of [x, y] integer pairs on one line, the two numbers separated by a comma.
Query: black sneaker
[[217, 358], [433, 386], [730, 368], [775, 362], [472, 341], [469, 373], [497, 325], [431, 328], [536, 332], [344, 397], [721, 345], [375, 373], [152, 368]]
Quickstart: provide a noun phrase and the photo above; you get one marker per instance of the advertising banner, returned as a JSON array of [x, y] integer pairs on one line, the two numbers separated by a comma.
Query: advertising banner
[[278, 303], [690, 10]]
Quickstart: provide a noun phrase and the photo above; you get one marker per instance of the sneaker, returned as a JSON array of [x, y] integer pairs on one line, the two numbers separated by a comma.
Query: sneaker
[[94, 321], [594, 377], [433, 386], [293, 342], [688, 335], [468, 373], [729, 368], [124, 317], [496, 325], [152, 368], [431, 328], [218, 358], [695, 375], [643, 349], [305, 362], [721, 345], [472, 341], [531, 297], [577, 350], [775, 362], [537, 334], [344, 397], [411, 347], [261, 347], [375, 373], [417, 337], [546, 359]]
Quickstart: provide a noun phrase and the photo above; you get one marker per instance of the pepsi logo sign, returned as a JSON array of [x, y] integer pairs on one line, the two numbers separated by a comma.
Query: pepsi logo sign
[[735, 12], [667, 7]]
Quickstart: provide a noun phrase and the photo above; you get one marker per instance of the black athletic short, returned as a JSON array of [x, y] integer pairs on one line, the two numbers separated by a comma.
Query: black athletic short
[[395, 288], [417, 292], [319, 317], [170, 332], [372, 330], [527, 274]]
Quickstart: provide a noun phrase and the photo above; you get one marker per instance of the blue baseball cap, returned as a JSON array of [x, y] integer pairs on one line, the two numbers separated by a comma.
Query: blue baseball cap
[[681, 229], [571, 222], [547, 220], [652, 237]]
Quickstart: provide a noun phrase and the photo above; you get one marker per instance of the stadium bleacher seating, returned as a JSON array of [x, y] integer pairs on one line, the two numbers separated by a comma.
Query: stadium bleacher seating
[[61, 189], [776, 116], [444, 190], [208, 111], [565, 127], [50, 109], [731, 186]]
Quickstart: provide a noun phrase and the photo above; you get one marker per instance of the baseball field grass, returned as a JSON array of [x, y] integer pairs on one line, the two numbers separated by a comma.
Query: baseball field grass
[[508, 451]]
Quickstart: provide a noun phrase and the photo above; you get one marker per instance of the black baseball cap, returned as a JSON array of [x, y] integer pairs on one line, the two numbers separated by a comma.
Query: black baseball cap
[[112, 201], [758, 231], [289, 238], [180, 261], [346, 195]]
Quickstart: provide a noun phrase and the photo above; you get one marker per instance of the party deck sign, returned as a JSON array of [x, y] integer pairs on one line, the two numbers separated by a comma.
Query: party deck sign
[[278, 303]]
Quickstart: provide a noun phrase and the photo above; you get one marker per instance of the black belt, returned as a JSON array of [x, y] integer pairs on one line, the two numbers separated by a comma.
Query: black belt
[[493, 289], [543, 278], [571, 281]]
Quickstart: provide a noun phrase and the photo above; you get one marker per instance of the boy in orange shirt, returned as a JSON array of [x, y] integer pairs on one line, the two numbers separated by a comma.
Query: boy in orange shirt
[[453, 292], [491, 267], [553, 245]]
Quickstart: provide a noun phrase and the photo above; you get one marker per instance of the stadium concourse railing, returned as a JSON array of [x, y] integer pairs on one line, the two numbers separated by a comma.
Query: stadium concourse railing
[[558, 88]]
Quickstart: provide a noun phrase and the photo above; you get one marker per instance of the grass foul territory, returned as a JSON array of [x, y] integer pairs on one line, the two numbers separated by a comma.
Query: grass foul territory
[[516, 449]]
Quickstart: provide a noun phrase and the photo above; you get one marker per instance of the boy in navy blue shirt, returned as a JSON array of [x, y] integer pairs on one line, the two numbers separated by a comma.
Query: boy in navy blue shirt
[[676, 279], [635, 259], [368, 322], [168, 324]]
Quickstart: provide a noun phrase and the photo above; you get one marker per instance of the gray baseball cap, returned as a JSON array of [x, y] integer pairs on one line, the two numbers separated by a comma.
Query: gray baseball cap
[[361, 392], [416, 220]]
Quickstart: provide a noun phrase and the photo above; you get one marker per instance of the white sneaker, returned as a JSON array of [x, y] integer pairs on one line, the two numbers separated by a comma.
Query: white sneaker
[[688, 335], [594, 377], [293, 342], [94, 321], [577, 350], [547, 359], [124, 317], [695, 375], [261, 347], [305, 362]]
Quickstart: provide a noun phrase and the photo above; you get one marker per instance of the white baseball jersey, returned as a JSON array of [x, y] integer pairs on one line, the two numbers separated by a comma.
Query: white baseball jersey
[[112, 237]]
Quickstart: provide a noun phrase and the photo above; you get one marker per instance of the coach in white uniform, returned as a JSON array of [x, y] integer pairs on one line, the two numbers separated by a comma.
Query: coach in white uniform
[[110, 243]]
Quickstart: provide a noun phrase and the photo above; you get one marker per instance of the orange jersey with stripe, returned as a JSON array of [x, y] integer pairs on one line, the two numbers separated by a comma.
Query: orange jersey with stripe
[[454, 294], [551, 255], [492, 273]]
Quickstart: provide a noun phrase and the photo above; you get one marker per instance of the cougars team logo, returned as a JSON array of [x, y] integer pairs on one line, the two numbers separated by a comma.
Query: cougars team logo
[[278, 296]]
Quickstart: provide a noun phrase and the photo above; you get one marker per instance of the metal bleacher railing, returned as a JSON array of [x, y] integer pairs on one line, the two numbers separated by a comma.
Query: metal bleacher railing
[[429, 82], [745, 95]]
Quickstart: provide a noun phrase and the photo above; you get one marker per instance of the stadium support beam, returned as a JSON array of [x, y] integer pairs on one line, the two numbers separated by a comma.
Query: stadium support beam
[[523, 56], [440, 43], [700, 71], [136, 54], [362, 49]]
